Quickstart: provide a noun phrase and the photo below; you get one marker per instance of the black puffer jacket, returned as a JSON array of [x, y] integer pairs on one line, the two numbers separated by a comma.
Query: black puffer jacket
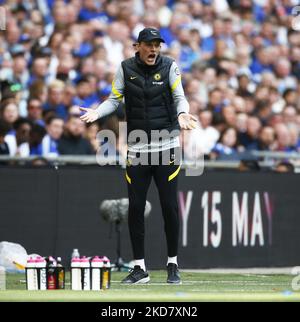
[[148, 96]]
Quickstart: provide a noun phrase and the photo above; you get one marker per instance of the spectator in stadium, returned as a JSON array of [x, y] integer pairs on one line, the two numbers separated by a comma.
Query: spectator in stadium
[[193, 88], [54, 131], [284, 167], [39, 90], [241, 122], [248, 165], [226, 148], [55, 99], [164, 107], [261, 62], [69, 95], [249, 139], [39, 162], [283, 138], [72, 142], [229, 115], [216, 100], [266, 139], [9, 112], [263, 110], [37, 134], [208, 45], [189, 49], [284, 77], [18, 143], [39, 70], [113, 41], [219, 54], [35, 111], [290, 96], [289, 114], [65, 68], [13, 32], [244, 88], [19, 71], [86, 95], [276, 100]]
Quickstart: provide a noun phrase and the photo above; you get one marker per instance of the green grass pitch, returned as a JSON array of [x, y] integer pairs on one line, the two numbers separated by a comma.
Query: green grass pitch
[[195, 287]]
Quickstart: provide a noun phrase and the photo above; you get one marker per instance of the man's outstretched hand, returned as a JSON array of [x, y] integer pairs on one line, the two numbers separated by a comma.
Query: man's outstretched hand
[[187, 121], [90, 115]]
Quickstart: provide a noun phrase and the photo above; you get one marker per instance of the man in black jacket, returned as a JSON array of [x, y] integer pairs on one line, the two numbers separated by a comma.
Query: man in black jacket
[[72, 142], [150, 85]]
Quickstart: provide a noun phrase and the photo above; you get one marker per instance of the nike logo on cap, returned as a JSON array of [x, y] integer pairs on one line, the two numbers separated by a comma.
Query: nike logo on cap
[[133, 77]]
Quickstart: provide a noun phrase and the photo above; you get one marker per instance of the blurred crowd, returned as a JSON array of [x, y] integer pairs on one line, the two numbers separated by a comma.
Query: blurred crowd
[[240, 63]]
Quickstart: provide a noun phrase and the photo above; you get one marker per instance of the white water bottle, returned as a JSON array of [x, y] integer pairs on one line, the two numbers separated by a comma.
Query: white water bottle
[[85, 265], [96, 265], [76, 274], [75, 253], [40, 263], [31, 275]]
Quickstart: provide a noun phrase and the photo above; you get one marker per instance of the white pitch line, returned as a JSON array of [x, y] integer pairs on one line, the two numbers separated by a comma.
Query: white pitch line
[[250, 270]]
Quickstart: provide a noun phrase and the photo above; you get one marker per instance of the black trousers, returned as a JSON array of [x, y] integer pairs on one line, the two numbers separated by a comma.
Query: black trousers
[[138, 181]]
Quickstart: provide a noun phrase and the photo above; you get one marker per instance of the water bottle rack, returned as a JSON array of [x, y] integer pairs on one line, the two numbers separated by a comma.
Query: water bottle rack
[[105, 277], [54, 279]]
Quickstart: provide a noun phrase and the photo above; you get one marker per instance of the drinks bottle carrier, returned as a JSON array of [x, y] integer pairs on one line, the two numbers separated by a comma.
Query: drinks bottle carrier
[[40, 277], [93, 274]]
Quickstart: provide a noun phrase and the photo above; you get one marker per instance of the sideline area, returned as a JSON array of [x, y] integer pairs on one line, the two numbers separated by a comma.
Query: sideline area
[[196, 287]]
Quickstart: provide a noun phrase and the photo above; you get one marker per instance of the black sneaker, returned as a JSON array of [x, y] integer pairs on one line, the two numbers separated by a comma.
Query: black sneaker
[[173, 274], [136, 276]]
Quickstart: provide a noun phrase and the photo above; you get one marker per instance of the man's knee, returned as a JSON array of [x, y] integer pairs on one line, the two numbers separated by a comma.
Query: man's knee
[[136, 207]]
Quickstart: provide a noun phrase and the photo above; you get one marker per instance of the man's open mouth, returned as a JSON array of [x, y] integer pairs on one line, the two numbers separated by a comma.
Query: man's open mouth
[[151, 56]]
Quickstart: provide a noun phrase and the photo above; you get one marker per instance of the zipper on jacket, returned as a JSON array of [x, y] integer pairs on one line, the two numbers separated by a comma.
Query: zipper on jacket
[[146, 107]]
